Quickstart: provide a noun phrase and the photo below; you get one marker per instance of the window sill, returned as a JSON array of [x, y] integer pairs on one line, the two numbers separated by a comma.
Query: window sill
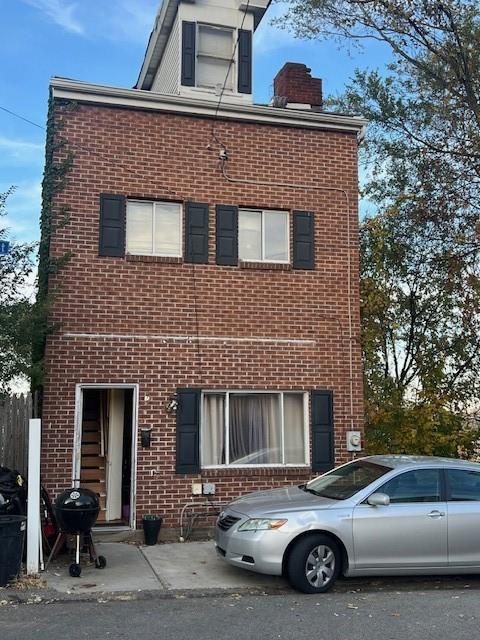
[[168, 259], [266, 266], [223, 472]]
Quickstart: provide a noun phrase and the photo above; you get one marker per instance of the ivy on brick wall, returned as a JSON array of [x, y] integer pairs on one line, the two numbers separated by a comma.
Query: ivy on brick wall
[[59, 159]]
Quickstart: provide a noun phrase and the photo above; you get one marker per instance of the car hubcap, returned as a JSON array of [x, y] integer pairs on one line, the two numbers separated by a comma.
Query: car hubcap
[[320, 566]]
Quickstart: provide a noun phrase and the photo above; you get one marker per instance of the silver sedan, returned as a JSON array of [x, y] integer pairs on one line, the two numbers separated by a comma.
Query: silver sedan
[[379, 515]]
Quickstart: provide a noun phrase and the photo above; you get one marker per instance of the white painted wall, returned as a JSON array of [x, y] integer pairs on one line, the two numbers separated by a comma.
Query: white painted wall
[[167, 78]]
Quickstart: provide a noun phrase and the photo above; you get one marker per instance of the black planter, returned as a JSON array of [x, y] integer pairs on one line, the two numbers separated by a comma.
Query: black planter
[[151, 529]]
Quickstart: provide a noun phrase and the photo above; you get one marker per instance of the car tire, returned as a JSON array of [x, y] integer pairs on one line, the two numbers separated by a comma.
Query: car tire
[[314, 564]]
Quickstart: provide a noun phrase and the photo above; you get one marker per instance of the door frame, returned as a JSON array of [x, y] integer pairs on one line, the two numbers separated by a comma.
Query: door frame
[[77, 439]]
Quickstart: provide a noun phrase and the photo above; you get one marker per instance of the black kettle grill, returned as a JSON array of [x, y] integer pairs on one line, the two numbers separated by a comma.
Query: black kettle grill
[[76, 511]]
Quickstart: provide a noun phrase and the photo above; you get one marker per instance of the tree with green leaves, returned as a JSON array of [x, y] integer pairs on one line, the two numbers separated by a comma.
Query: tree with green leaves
[[420, 273], [16, 317]]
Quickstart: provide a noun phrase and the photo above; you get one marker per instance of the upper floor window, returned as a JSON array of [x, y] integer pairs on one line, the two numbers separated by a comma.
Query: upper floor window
[[263, 236], [154, 228], [214, 54]]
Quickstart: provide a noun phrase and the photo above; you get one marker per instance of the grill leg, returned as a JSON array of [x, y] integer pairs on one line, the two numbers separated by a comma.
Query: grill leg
[[54, 549], [91, 547], [77, 550]]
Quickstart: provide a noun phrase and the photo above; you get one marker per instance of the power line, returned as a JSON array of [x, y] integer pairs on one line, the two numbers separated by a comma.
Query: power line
[[85, 148], [17, 115], [232, 60]]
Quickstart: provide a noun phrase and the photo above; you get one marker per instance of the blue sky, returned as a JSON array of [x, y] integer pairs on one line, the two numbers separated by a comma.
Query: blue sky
[[103, 42]]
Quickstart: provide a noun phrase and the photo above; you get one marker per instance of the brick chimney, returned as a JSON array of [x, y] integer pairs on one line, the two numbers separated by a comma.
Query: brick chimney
[[294, 84]]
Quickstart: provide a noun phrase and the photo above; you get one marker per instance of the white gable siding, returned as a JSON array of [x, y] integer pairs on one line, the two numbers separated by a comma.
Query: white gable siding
[[167, 78]]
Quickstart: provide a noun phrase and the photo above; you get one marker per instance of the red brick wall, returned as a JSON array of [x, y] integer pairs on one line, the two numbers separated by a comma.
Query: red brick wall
[[160, 156], [295, 83]]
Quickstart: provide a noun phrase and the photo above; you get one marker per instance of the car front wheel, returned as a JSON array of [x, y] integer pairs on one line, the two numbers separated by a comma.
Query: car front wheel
[[314, 564]]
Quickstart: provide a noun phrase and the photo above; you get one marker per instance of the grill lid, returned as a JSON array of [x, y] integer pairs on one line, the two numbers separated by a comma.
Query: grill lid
[[77, 499]]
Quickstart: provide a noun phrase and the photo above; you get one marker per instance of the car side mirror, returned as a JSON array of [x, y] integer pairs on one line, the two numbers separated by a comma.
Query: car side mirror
[[378, 500]]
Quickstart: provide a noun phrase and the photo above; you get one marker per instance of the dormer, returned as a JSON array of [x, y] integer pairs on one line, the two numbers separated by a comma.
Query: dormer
[[192, 45]]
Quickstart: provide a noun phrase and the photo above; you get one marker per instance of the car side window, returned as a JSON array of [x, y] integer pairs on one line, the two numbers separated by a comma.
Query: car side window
[[421, 485], [463, 485]]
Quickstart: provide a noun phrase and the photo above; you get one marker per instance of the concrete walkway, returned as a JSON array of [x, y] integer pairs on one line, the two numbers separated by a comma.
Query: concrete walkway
[[189, 566]]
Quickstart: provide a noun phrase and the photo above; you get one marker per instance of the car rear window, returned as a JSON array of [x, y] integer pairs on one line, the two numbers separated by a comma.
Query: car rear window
[[346, 481]]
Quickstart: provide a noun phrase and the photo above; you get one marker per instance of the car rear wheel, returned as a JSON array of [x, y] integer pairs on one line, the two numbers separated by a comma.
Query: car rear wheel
[[314, 564]]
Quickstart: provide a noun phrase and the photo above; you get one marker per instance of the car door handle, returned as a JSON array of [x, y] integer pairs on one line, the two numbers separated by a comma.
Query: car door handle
[[436, 514]]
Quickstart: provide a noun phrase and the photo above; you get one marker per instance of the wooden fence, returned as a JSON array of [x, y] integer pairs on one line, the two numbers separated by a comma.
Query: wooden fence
[[15, 412]]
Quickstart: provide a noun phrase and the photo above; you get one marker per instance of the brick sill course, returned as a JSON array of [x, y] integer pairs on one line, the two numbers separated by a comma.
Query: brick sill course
[[250, 472], [266, 266], [167, 259]]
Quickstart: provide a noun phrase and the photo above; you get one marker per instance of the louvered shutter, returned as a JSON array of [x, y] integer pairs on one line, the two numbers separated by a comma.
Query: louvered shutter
[[188, 431], [196, 232], [322, 431], [227, 234], [189, 30], [244, 61], [112, 225], [303, 240]]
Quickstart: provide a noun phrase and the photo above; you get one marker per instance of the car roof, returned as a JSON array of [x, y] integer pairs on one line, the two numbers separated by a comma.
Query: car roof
[[407, 462]]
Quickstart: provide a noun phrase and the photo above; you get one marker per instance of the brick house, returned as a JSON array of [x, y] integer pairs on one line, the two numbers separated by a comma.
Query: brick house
[[208, 315]]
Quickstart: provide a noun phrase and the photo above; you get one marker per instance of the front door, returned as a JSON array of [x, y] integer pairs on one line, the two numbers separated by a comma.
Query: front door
[[410, 532], [104, 459]]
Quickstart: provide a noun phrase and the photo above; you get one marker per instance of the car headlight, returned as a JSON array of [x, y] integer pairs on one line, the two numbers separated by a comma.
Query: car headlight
[[261, 524]]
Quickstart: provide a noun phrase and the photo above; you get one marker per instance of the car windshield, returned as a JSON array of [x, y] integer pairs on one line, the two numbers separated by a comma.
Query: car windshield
[[344, 482]]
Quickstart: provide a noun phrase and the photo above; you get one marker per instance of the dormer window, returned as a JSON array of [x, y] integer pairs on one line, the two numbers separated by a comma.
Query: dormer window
[[207, 52], [214, 57]]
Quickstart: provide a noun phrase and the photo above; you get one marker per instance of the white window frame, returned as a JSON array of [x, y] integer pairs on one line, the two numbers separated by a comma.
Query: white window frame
[[262, 212], [233, 65], [154, 203], [246, 392]]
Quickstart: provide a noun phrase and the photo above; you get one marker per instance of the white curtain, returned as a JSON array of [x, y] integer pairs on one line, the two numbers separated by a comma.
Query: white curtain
[[294, 434], [255, 429], [213, 445]]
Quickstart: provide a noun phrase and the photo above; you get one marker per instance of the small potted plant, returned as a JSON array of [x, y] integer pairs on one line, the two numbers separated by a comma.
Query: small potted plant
[[151, 528]]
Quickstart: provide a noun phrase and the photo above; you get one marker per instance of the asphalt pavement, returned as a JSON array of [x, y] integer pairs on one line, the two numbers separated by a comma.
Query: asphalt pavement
[[430, 614]]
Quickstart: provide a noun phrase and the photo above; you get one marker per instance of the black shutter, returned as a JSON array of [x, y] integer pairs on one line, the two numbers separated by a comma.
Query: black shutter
[[303, 240], [196, 232], [188, 431], [322, 431], [188, 53], [227, 234], [244, 61], [112, 225]]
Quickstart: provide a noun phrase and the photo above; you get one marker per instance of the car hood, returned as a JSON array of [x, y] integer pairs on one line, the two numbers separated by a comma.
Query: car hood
[[278, 501]]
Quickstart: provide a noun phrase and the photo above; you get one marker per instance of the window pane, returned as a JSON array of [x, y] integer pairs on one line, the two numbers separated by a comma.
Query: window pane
[[167, 241], [250, 235], [139, 227], [294, 432], [213, 71], [215, 42], [414, 486], [276, 236], [213, 430], [344, 482], [255, 429], [463, 485]]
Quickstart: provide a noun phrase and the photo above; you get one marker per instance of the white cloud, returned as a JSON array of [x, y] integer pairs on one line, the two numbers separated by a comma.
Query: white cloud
[[23, 210], [132, 20], [61, 12], [270, 38], [20, 152]]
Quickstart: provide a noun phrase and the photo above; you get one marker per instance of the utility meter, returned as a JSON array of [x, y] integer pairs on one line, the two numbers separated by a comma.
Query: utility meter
[[354, 441]]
